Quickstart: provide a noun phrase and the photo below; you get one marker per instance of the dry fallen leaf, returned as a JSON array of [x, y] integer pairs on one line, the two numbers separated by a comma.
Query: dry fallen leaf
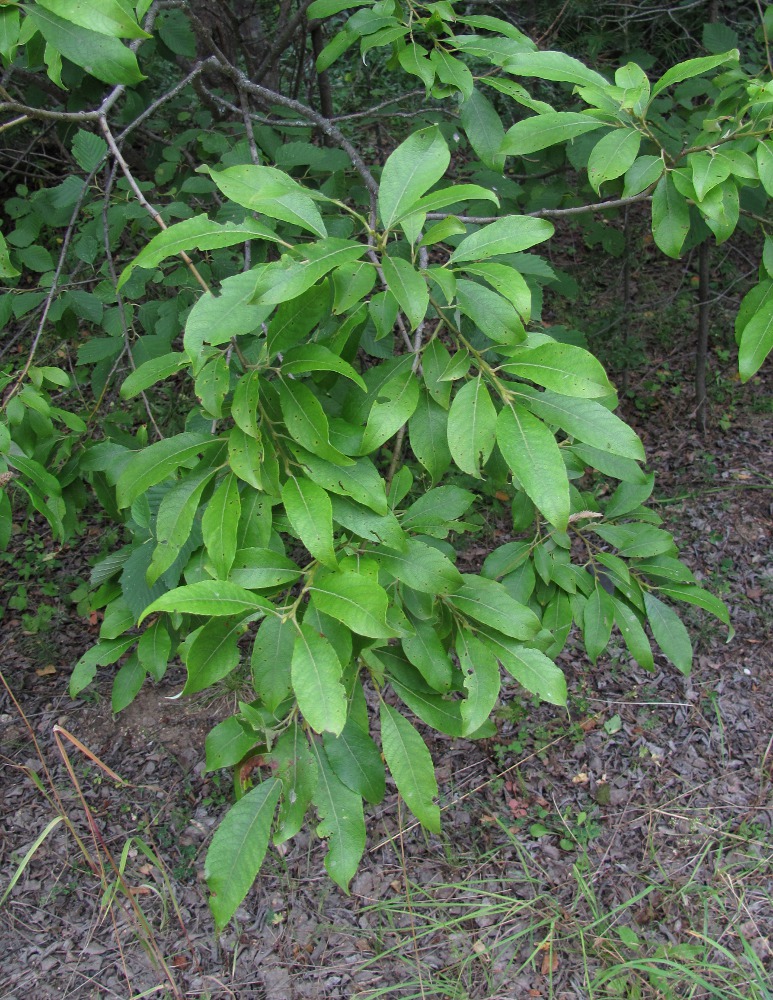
[[46, 671]]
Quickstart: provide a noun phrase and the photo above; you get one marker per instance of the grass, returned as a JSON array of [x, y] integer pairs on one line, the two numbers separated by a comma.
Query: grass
[[512, 929]]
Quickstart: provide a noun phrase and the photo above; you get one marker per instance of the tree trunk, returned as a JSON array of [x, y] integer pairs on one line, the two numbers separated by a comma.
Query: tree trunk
[[702, 346]]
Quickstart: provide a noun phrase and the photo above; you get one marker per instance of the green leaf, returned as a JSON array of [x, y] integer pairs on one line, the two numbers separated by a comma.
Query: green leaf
[[698, 596], [612, 156], [214, 653], [669, 632], [154, 649], [7, 270], [472, 422], [306, 421], [531, 668], [198, 232], [227, 743], [271, 660], [693, 67], [428, 654], [484, 129], [428, 434], [296, 767], [361, 481], [317, 358], [152, 371], [409, 761], [89, 150], [707, 172], [540, 131], [756, 341], [261, 569], [508, 282], [341, 823], [481, 680], [105, 652], [220, 525], [270, 192], [508, 235], [238, 848], [643, 173], [310, 512], [633, 634], [288, 278], [216, 320], [394, 405], [586, 420], [174, 522], [452, 71], [126, 684], [636, 540], [598, 618], [316, 678], [210, 598], [555, 66], [488, 602], [421, 567], [356, 600], [531, 452], [108, 17], [564, 368], [720, 210], [101, 56], [157, 462], [335, 48], [244, 406], [765, 166], [491, 313], [408, 287], [410, 171], [356, 761], [670, 218]]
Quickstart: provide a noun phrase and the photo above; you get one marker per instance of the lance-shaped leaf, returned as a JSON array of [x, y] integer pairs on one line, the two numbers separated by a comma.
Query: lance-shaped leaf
[[421, 567], [196, 233], [555, 66], [410, 172], [271, 660], [288, 278], [296, 767], [244, 407], [669, 632], [270, 192], [356, 761], [670, 218], [586, 420], [310, 512], [209, 597], [472, 422], [220, 525], [482, 680], [756, 341], [508, 282], [108, 17], [360, 481], [531, 668], [411, 765], [541, 131], [102, 56], [564, 368], [152, 371], [393, 406], [316, 676], [509, 235], [484, 129], [488, 602], [341, 823], [490, 312], [598, 618], [428, 654], [612, 156], [213, 654], [261, 569], [154, 649], [317, 358], [693, 67], [227, 743], [174, 523], [356, 600], [238, 848], [307, 422], [157, 461], [530, 450], [428, 433], [408, 287], [633, 634]]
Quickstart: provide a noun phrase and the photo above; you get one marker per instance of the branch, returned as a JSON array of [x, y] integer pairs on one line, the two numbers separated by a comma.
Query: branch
[[549, 213]]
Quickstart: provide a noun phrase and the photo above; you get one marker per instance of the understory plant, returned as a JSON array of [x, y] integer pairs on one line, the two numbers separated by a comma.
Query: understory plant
[[332, 362]]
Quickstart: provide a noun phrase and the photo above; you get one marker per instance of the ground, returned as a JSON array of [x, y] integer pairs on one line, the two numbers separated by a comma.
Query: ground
[[620, 849]]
